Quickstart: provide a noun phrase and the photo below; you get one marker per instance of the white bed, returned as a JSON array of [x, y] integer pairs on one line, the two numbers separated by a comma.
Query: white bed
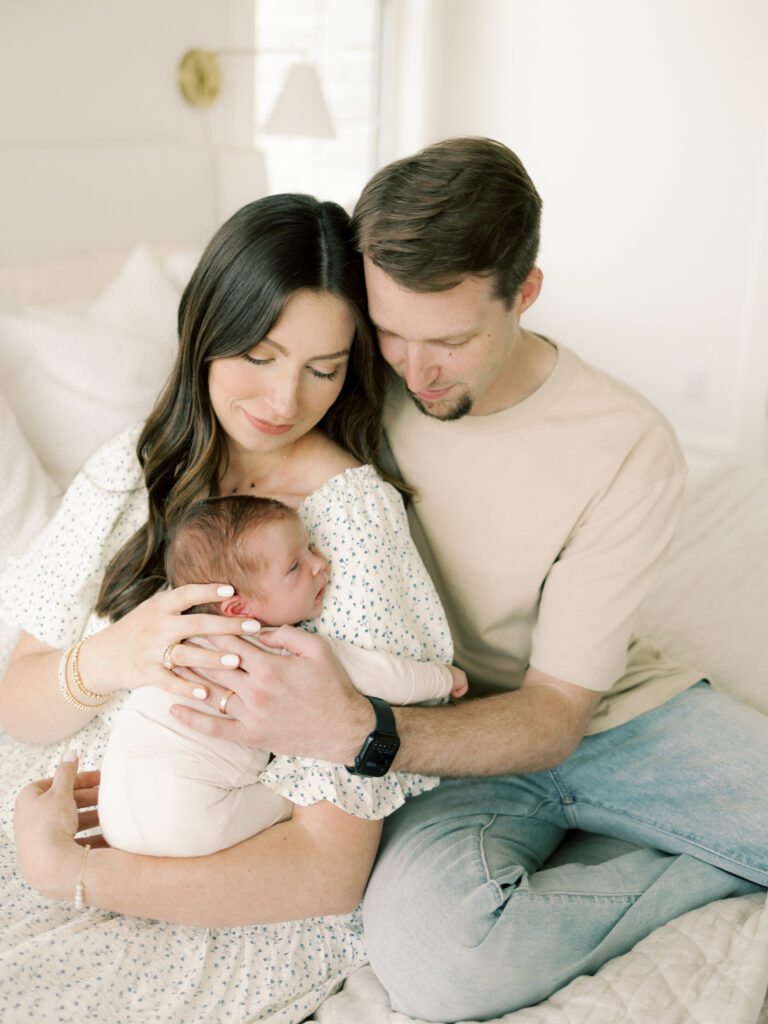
[[84, 345]]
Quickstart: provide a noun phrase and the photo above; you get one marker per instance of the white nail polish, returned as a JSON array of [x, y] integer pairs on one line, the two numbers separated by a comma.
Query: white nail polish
[[70, 756], [230, 660], [225, 590], [199, 693], [251, 626]]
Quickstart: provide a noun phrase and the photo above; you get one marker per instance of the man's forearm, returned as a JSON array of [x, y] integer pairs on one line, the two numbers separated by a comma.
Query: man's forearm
[[528, 730]]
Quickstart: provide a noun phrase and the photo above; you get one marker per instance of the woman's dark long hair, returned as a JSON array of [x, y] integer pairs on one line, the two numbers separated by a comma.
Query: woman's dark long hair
[[257, 260]]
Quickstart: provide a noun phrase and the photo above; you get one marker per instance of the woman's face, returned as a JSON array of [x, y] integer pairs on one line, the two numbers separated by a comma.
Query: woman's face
[[283, 386]]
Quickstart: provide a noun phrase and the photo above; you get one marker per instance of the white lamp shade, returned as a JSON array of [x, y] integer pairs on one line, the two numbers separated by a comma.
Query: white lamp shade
[[301, 108]]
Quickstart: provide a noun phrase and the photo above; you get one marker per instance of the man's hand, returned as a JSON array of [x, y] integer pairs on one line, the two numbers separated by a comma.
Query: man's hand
[[303, 704]]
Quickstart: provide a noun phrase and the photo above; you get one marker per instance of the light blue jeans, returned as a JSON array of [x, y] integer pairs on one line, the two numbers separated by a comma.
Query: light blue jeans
[[474, 907]]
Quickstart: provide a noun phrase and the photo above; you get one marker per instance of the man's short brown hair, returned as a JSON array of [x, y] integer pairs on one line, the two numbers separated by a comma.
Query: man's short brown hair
[[461, 207]]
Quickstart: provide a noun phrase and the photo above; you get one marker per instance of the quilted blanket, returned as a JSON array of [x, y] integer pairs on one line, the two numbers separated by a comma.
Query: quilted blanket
[[708, 967]]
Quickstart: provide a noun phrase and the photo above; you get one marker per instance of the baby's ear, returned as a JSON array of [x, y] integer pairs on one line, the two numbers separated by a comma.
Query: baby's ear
[[235, 607]]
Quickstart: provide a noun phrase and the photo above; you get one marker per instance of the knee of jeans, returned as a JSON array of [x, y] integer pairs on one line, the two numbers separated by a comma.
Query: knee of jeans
[[434, 953], [430, 974]]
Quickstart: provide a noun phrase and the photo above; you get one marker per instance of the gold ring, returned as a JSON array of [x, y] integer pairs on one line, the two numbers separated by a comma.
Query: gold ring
[[224, 701], [166, 658]]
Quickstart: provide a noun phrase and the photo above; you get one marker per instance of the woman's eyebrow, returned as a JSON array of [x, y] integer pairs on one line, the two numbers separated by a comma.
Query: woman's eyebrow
[[284, 351]]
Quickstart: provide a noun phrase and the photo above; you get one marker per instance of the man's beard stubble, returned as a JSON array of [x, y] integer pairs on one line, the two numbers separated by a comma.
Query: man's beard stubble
[[462, 408]]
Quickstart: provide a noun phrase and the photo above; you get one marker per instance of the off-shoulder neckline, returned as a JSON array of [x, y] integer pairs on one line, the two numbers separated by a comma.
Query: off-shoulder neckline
[[333, 483]]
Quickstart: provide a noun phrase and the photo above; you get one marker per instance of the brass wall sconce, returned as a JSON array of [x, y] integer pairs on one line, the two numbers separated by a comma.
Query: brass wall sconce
[[300, 109]]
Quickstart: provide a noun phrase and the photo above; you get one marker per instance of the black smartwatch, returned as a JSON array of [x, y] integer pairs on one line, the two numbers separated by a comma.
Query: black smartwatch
[[378, 751]]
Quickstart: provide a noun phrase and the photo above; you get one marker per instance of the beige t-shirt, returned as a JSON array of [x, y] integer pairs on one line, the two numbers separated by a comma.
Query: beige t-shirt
[[543, 526]]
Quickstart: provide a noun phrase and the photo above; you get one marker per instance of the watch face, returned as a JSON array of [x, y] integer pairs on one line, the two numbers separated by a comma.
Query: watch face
[[377, 754]]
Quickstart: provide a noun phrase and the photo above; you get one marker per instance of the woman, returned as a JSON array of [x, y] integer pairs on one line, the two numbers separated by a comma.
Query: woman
[[277, 390]]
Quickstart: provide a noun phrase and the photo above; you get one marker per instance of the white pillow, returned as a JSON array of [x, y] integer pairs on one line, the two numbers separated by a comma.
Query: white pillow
[[27, 500], [179, 265], [142, 300], [75, 381], [73, 281], [709, 606]]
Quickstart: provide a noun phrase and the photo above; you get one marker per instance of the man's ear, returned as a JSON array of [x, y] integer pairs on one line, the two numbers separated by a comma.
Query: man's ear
[[235, 607], [529, 291]]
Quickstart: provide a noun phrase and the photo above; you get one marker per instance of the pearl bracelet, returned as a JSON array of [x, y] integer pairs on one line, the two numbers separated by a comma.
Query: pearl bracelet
[[79, 887]]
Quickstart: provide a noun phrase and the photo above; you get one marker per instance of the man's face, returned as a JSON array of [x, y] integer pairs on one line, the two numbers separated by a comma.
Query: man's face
[[454, 349]]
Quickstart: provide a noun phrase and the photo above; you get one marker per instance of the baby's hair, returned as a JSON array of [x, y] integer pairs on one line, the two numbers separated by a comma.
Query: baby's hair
[[208, 544]]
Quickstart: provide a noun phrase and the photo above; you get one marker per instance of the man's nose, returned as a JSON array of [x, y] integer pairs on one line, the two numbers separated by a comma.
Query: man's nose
[[420, 371]]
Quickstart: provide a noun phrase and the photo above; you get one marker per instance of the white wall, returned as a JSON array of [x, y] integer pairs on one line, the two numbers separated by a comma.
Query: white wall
[[645, 128], [97, 146]]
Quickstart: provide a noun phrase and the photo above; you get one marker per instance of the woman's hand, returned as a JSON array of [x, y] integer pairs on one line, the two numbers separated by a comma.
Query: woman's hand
[[47, 817], [303, 705], [145, 647], [316, 863]]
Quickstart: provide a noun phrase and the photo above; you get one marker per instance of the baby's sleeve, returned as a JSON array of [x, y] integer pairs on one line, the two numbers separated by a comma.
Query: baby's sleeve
[[397, 680]]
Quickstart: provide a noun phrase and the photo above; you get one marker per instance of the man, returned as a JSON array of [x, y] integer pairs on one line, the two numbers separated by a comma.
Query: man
[[547, 497]]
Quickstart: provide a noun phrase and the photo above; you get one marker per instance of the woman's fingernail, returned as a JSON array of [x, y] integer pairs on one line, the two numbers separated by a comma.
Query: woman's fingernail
[[225, 590], [251, 626], [230, 660], [200, 692], [71, 755]]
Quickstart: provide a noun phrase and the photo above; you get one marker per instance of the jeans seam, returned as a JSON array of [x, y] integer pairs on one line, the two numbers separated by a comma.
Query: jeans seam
[[567, 800], [661, 831], [483, 859], [629, 897]]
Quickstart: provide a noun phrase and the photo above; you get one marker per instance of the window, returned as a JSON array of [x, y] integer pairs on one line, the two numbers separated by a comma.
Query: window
[[342, 38]]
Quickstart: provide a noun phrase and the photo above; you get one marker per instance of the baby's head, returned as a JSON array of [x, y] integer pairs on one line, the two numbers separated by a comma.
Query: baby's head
[[259, 546]]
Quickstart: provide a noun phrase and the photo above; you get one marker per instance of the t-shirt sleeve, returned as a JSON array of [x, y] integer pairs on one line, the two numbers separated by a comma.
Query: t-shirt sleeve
[[379, 597], [51, 589], [592, 592]]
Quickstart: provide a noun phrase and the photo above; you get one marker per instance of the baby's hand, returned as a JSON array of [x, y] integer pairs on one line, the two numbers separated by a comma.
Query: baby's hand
[[460, 684]]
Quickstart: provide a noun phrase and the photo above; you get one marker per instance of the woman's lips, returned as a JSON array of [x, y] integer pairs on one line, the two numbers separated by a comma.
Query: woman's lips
[[266, 427]]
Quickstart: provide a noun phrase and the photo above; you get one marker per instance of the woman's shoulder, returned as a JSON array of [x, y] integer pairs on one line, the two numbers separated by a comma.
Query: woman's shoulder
[[115, 466], [323, 460], [356, 489]]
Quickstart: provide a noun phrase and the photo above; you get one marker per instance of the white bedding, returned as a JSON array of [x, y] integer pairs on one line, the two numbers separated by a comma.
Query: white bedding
[[709, 967], [709, 607]]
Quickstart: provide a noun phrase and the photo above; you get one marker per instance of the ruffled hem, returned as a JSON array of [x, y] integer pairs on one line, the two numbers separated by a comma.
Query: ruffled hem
[[304, 781]]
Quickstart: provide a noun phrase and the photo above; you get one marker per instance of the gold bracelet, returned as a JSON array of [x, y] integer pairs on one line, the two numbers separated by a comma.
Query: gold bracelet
[[100, 698], [67, 694], [79, 886], [62, 675]]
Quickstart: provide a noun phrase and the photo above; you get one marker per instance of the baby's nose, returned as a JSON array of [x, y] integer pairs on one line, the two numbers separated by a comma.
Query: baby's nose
[[321, 564]]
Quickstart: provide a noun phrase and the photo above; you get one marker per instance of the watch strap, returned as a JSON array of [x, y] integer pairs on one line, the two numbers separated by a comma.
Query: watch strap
[[380, 746], [385, 716]]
